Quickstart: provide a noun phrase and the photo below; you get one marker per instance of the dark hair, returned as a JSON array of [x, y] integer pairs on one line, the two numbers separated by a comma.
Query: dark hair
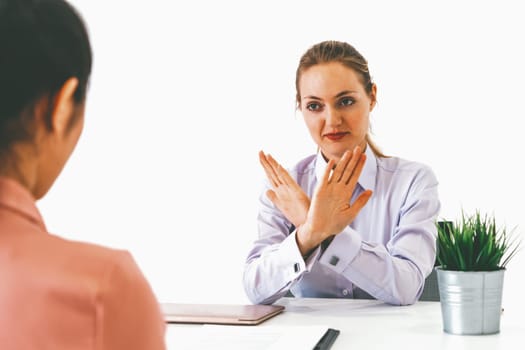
[[43, 43], [344, 53]]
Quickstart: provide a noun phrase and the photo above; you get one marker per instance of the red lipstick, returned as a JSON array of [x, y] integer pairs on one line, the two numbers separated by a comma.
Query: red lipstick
[[335, 136]]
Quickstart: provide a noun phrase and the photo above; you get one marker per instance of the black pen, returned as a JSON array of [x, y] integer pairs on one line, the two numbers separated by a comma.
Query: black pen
[[327, 340]]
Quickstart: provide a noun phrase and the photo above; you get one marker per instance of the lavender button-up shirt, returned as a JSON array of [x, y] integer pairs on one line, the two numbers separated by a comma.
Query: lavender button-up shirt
[[385, 253]]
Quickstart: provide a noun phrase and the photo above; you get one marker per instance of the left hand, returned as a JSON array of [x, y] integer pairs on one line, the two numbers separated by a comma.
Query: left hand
[[331, 211]]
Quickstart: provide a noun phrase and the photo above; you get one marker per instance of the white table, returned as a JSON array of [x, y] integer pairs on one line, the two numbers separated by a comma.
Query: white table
[[370, 324]]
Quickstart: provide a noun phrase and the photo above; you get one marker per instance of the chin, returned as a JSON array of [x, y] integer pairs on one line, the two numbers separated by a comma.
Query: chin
[[334, 154]]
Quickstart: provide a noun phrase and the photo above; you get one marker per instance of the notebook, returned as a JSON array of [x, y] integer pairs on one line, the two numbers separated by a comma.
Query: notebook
[[219, 313], [266, 337]]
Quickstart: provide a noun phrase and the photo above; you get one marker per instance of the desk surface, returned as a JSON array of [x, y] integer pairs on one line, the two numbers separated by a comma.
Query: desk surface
[[370, 324]]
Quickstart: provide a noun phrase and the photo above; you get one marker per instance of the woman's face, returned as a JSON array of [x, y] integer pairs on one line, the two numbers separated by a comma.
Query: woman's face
[[335, 108]]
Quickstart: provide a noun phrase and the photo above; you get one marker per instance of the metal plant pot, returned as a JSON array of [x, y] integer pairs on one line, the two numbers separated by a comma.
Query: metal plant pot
[[470, 301]]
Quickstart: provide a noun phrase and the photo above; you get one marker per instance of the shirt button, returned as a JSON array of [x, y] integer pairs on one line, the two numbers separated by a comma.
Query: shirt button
[[345, 292]]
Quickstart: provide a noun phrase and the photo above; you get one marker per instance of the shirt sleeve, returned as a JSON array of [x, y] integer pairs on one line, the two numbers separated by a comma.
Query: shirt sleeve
[[128, 314], [275, 263], [395, 272]]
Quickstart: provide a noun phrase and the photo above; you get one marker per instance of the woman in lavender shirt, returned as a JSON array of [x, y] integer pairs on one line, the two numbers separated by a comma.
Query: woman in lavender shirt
[[348, 221]]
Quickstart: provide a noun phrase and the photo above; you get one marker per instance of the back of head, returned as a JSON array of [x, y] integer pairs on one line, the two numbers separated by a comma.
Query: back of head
[[42, 44]]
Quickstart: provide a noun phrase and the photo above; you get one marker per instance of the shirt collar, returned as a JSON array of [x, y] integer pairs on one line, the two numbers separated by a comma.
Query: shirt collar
[[16, 198], [367, 179]]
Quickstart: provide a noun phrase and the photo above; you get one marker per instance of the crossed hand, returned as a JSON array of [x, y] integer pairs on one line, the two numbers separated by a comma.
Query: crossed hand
[[330, 210]]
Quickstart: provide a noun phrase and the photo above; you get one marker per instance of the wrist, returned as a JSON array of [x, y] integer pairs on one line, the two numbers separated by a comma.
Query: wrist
[[305, 243]]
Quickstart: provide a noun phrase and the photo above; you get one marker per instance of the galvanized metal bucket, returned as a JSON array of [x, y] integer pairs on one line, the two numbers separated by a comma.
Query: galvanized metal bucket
[[470, 301]]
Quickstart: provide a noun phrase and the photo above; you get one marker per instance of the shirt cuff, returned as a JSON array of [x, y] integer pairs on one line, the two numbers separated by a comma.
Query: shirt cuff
[[294, 263], [292, 260], [342, 250]]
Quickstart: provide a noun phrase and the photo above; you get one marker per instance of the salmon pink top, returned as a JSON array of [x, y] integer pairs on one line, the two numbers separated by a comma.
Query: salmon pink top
[[58, 294]]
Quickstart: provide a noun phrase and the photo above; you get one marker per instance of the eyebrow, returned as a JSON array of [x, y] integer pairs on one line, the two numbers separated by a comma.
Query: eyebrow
[[342, 93]]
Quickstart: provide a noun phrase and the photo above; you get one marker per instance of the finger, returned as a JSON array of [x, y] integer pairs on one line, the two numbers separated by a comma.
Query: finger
[[282, 173], [350, 166], [327, 172], [268, 169], [353, 177], [341, 166], [277, 168], [358, 204], [272, 196], [361, 201]]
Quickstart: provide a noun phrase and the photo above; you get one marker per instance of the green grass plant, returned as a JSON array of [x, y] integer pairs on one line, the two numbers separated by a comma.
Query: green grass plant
[[475, 243]]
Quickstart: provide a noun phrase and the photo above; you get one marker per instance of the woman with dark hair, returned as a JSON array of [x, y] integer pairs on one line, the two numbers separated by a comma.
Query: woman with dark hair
[[348, 221], [56, 293]]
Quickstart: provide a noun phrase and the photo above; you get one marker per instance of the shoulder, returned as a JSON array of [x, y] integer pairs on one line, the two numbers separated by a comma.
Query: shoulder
[[108, 269], [125, 300], [123, 280], [75, 256], [112, 268], [405, 176], [404, 170], [100, 258]]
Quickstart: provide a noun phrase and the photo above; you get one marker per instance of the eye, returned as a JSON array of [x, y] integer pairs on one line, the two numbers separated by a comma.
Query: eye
[[346, 101], [313, 106]]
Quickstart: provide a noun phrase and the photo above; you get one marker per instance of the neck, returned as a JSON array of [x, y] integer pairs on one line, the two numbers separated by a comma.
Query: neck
[[17, 166]]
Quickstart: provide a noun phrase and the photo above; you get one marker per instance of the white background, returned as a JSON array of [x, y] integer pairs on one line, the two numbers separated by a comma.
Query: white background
[[185, 93]]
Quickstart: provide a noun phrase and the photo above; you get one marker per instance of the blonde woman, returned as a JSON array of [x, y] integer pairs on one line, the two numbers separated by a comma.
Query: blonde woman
[[347, 221]]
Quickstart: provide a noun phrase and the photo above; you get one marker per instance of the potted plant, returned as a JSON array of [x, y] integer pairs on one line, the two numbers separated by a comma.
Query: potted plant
[[472, 255]]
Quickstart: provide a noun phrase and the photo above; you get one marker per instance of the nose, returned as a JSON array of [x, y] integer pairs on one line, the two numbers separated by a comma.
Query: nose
[[333, 116]]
